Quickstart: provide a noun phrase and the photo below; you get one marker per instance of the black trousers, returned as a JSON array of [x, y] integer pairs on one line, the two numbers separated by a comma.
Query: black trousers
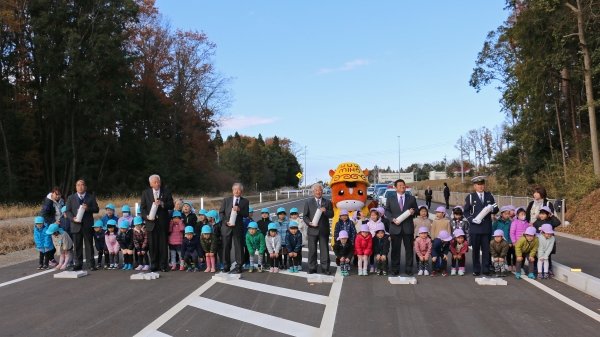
[[158, 248], [323, 242], [481, 242], [228, 240], [397, 241], [428, 202], [447, 203], [84, 237]]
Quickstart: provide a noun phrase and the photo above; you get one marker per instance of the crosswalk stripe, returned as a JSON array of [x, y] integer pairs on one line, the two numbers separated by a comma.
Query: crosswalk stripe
[[255, 318], [265, 288], [156, 333]]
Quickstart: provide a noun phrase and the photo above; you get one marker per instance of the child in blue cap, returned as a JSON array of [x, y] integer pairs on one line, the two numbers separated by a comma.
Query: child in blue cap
[[294, 246], [215, 225], [43, 242], [126, 215], [100, 244], [110, 237], [140, 241], [283, 225], [125, 239], [109, 214], [191, 250], [65, 222], [210, 245], [247, 221], [255, 242], [63, 244], [263, 225], [295, 216]]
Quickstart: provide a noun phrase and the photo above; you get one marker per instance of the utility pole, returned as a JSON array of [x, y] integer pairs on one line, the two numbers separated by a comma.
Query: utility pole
[[399, 167], [305, 176], [462, 169]]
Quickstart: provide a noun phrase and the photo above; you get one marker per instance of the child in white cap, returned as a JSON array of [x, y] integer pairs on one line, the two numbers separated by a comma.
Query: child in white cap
[[423, 250], [545, 247], [343, 250], [440, 223], [498, 250]]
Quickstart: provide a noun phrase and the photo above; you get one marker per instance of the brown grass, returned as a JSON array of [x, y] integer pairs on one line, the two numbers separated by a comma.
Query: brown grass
[[583, 216], [16, 237]]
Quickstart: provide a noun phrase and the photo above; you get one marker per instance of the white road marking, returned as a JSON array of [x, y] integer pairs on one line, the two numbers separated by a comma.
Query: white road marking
[[265, 288], [156, 333], [328, 321], [255, 318], [153, 327], [26, 277]]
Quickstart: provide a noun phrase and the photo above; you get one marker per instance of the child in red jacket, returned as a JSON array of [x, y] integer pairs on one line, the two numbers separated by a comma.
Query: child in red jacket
[[363, 248], [458, 248]]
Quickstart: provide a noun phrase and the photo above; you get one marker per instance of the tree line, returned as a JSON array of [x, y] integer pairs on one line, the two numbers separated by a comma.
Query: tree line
[[108, 91]]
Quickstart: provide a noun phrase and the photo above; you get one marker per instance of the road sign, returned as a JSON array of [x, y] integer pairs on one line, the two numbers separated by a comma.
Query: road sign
[[299, 175]]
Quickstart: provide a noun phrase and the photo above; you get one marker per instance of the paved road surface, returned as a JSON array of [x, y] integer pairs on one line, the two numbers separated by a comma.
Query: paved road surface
[[107, 303]]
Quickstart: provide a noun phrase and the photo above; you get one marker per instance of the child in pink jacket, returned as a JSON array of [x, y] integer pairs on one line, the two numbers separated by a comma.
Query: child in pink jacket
[[363, 248], [110, 237], [423, 250], [176, 228]]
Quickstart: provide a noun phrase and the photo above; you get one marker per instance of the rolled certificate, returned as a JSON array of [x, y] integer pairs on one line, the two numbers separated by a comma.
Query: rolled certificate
[[152, 214], [232, 217], [482, 214], [80, 212], [403, 216], [317, 217]]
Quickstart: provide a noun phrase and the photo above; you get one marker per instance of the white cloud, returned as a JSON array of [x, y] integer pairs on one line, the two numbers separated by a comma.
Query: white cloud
[[346, 67], [239, 122]]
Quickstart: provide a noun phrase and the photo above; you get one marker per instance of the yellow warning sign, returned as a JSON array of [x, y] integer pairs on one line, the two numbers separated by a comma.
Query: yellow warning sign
[[299, 175]]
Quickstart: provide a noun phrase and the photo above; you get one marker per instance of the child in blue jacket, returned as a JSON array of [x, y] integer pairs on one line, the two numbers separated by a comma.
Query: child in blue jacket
[[65, 222], [100, 244], [43, 243], [439, 253], [191, 250], [294, 246], [110, 214]]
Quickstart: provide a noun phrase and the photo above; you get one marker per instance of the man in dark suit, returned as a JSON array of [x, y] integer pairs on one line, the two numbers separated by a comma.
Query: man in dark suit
[[157, 227], [82, 231], [428, 196], [447, 195], [403, 231], [233, 232], [318, 233], [480, 232]]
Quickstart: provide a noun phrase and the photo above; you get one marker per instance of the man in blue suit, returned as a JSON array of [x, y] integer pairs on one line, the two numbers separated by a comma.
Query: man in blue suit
[[480, 231]]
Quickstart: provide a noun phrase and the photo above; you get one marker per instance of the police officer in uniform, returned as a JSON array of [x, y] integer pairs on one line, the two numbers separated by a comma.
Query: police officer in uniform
[[480, 231]]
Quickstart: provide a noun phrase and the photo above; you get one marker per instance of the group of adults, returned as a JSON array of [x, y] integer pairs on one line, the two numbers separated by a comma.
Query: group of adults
[[429, 196]]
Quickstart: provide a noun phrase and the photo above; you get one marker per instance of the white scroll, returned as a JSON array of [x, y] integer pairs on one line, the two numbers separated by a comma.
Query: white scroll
[[152, 214], [80, 213], [317, 217], [403, 216], [482, 214], [232, 217]]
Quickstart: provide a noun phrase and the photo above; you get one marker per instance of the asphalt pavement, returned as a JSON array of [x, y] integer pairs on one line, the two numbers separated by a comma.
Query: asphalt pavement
[[108, 303]]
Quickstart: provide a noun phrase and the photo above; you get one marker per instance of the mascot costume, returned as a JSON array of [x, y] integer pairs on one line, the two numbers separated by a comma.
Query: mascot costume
[[348, 191]]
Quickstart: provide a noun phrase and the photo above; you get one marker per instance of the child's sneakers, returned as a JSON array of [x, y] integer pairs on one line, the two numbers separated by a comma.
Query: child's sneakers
[[139, 267], [182, 268], [40, 267], [546, 276], [518, 275], [130, 267], [384, 272], [372, 270], [433, 273], [53, 263], [275, 270], [461, 271], [420, 273], [188, 270], [425, 272], [196, 269], [531, 276], [174, 267], [378, 272], [444, 273], [540, 276], [503, 274], [105, 266], [453, 272], [146, 268], [259, 269], [299, 268], [251, 270], [271, 270]]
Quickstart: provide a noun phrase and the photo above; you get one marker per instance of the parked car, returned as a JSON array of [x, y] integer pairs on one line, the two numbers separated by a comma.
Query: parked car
[[375, 188], [389, 192], [370, 191], [327, 190]]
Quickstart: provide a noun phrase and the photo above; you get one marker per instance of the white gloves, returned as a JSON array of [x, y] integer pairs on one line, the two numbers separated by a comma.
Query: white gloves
[[490, 207], [476, 221]]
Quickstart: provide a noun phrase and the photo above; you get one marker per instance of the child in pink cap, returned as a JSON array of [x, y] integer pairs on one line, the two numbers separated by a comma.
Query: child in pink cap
[[545, 247], [363, 247]]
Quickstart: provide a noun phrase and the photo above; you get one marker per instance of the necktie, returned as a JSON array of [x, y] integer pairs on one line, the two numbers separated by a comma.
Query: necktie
[[401, 203], [155, 195], [318, 203], [481, 197], [80, 200], [237, 201]]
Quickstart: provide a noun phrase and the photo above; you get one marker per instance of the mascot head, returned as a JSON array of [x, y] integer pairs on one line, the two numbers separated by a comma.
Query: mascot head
[[349, 187]]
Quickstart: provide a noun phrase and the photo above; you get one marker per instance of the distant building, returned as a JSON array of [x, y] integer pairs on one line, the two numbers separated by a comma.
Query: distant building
[[457, 172], [391, 177], [436, 175]]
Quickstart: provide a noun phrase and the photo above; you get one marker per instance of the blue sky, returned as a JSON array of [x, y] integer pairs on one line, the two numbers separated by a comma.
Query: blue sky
[[345, 78]]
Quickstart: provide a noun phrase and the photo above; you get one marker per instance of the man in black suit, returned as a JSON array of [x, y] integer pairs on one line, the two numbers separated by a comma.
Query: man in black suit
[[157, 227], [82, 231], [480, 232], [447, 195], [233, 232], [318, 232], [428, 196], [401, 231]]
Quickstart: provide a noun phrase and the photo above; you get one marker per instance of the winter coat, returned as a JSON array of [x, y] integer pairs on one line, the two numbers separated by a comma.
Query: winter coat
[[62, 242], [460, 224], [263, 225], [347, 226], [125, 240], [528, 211], [358, 224], [282, 228], [440, 248], [381, 246], [363, 245], [105, 219], [386, 223], [111, 242], [499, 249], [504, 225], [438, 226], [176, 229], [255, 242], [343, 250], [216, 229], [273, 243], [552, 221], [198, 228], [129, 219], [65, 225], [373, 225], [545, 246], [140, 240], [421, 222], [43, 241], [99, 240], [209, 245], [422, 247], [294, 242], [463, 250], [191, 246], [189, 220], [517, 228], [48, 211], [524, 247], [303, 229]]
